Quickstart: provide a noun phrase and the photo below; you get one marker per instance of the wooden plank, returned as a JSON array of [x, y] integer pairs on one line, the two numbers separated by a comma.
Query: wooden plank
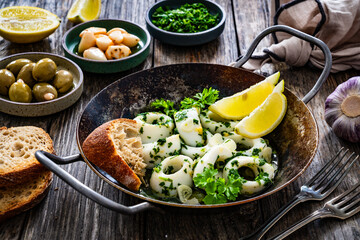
[[249, 20], [251, 17], [65, 214], [302, 81]]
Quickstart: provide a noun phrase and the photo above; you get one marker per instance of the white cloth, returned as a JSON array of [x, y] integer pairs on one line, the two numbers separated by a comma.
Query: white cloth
[[340, 31]]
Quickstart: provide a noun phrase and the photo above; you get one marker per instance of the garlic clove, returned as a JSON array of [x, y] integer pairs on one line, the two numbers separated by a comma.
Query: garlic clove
[[117, 52], [130, 40], [117, 29], [100, 35], [103, 42], [117, 37], [95, 54], [88, 40], [95, 30]]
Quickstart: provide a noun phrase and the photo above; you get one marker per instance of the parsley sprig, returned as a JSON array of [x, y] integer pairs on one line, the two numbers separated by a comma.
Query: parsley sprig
[[217, 189], [165, 106], [201, 100]]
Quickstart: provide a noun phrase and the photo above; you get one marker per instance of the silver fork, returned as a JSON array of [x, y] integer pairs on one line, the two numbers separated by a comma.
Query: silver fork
[[317, 188], [334, 208]]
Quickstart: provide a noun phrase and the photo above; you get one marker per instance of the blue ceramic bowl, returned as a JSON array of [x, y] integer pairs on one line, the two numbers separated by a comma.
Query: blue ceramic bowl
[[71, 41], [186, 39]]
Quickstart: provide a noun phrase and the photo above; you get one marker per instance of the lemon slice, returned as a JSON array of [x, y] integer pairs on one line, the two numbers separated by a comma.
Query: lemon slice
[[84, 10], [243, 103], [22, 24], [266, 117]]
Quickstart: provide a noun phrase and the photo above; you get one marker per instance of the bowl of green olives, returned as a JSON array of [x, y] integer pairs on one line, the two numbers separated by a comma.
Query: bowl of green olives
[[37, 84]]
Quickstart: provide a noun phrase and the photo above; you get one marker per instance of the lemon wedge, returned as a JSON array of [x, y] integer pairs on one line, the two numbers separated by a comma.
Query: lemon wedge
[[241, 104], [266, 117], [21, 24], [84, 10]]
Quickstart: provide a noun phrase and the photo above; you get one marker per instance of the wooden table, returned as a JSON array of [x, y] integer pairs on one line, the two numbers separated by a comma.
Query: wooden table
[[65, 214]]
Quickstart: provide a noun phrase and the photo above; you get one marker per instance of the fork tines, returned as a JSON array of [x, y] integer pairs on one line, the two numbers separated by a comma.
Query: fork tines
[[328, 174], [347, 200]]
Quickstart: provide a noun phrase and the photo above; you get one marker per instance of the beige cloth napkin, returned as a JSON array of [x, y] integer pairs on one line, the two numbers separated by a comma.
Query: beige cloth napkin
[[335, 22]]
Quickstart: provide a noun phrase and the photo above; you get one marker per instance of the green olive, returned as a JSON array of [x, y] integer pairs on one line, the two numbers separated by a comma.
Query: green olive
[[44, 92], [20, 92], [16, 65], [6, 79], [26, 74], [44, 70], [63, 81]]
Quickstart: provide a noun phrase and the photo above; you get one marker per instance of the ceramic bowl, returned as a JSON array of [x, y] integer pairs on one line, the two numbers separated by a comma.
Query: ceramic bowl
[[71, 41], [186, 39], [36, 109]]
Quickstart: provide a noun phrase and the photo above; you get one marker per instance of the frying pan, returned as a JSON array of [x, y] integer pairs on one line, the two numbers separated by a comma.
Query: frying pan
[[295, 139]]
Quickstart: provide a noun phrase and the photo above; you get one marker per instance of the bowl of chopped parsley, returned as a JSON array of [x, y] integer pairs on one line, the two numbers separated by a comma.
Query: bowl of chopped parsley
[[185, 22]]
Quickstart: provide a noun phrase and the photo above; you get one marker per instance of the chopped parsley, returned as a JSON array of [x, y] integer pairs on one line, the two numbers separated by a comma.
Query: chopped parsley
[[161, 141], [169, 170], [262, 176], [179, 116], [256, 151], [262, 162], [189, 18], [156, 150], [157, 168]]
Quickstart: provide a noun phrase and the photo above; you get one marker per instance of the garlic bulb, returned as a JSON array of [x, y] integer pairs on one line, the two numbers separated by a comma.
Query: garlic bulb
[[342, 110]]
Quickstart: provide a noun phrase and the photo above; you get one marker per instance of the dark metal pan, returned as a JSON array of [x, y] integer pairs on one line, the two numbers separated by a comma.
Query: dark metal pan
[[295, 139]]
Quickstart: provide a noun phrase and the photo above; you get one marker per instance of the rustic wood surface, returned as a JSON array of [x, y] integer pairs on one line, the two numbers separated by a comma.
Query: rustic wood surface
[[65, 214]]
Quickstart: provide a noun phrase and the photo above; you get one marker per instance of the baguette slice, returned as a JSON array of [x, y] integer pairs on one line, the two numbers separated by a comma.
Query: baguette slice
[[116, 148], [17, 148], [16, 199]]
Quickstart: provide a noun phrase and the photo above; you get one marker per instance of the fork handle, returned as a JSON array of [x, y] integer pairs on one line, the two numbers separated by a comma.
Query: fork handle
[[275, 218], [313, 216]]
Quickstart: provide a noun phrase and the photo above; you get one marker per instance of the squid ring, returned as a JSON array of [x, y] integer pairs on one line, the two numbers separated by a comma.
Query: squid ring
[[154, 126], [216, 153], [189, 126], [162, 148], [264, 171], [215, 123], [195, 152], [171, 173], [257, 146]]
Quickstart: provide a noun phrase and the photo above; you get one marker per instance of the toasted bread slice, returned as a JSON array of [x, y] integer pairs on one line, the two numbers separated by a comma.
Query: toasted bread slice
[[116, 148], [19, 198], [17, 147]]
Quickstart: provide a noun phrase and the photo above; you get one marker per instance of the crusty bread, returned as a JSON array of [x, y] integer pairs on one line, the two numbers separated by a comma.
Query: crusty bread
[[17, 148], [19, 198], [116, 148]]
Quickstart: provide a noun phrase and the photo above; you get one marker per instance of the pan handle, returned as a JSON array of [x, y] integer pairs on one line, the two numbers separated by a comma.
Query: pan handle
[[50, 161], [282, 28]]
